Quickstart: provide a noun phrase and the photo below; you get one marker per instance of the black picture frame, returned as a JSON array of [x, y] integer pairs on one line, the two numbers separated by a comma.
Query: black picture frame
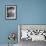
[[10, 12]]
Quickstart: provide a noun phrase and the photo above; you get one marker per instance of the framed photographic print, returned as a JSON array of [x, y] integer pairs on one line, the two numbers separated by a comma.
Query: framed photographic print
[[10, 12]]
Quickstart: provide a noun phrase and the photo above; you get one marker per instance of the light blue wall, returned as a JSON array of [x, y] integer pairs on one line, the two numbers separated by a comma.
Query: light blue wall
[[28, 12]]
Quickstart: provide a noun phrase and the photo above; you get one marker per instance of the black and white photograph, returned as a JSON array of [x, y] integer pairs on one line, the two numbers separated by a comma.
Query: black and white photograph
[[10, 11]]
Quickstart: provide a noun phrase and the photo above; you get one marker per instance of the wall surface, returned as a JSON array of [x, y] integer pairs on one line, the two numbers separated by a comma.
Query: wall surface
[[28, 12]]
